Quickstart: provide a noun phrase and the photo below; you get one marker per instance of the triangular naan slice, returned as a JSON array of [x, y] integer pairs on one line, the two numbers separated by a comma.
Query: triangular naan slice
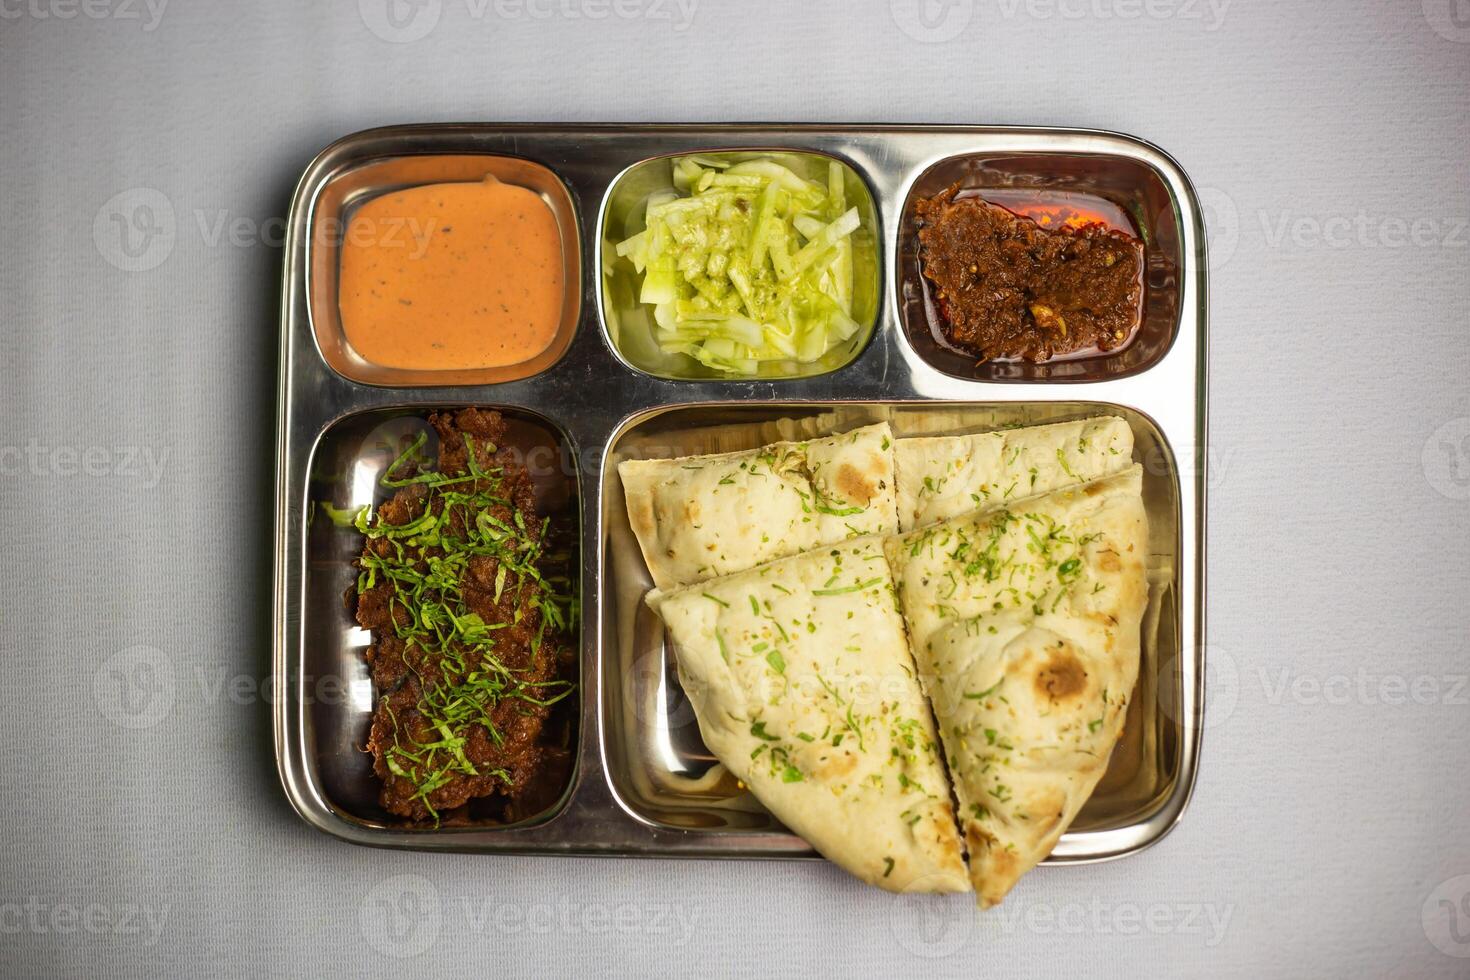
[[1025, 627], [701, 517], [801, 679], [949, 476]]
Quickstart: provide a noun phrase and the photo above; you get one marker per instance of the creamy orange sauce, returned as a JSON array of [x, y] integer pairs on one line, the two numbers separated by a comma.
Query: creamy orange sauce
[[455, 275]]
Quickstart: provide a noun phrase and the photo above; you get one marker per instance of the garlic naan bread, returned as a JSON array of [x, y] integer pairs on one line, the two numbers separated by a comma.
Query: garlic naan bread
[[801, 679], [948, 476], [701, 517], [1024, 622]]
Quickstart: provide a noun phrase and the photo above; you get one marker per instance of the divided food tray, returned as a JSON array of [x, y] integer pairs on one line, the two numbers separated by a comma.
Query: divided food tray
[[642, 782]]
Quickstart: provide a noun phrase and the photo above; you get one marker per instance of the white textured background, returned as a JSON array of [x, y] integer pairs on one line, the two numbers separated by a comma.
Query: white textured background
[[1329, 141]]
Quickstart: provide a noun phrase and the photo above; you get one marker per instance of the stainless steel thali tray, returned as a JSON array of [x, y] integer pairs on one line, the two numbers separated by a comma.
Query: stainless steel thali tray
[[642, 782]]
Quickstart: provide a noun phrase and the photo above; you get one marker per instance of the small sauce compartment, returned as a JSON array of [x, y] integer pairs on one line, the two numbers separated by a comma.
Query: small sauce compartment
[[630, 324], [402, 277], [1055, 190], [338, 697]]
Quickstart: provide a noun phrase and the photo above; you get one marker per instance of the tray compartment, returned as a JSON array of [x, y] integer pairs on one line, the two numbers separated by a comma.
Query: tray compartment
[[1128, 182], [628, 324], [342, 192], [349, 457], [656, 762]]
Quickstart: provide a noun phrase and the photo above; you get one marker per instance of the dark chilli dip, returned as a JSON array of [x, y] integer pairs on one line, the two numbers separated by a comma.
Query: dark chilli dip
[[1006, 288]]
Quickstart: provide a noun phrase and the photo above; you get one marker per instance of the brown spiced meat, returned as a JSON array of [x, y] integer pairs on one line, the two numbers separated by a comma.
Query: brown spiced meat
[[470, 643], [1007, 288]]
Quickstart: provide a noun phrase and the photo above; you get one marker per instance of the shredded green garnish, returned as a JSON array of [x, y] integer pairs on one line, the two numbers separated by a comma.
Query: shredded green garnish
[[758, 729], [426, 559], [843, 590], [340, 516], [987, 692]]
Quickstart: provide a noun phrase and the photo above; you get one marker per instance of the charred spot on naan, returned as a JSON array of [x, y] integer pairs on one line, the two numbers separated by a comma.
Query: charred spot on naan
[[1046, 806], [941, 829], [977, 841], [944, 815], [641, 514], [1004, 864], [1062, 677], [853, 485], [1050, 823], [833, 768]]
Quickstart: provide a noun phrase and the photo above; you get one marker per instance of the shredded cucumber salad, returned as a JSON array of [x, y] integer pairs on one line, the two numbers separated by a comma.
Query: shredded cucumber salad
[[746, 263]]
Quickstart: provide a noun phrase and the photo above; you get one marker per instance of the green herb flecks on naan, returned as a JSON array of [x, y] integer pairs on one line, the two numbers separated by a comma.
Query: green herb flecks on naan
[[701, 517], [800, 675], [947, 476], [1024, 622]]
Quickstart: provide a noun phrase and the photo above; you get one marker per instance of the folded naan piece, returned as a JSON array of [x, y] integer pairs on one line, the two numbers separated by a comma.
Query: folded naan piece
[[700, 517], [801, 679], [1024, 623], [947, 476]]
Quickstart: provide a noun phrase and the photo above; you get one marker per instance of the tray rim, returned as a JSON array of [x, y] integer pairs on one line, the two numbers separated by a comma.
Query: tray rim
[[591, 808]]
